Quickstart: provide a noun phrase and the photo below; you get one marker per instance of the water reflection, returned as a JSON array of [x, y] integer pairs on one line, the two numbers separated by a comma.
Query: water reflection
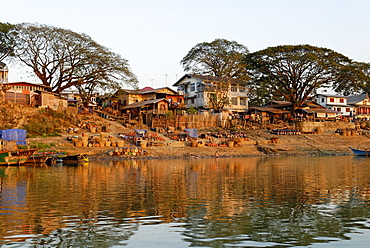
[[244, 202]]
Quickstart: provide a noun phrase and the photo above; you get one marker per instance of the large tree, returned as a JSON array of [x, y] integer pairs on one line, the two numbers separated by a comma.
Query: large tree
[[62, 59], [354, 79], [296, 72], [219, 58], [7, 41]]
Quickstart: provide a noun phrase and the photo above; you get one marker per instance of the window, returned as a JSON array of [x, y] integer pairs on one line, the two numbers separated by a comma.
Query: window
[[234, 101], [322, 100], [234, 88], [200, 86], [241, 89], [339, 109], [192, 87], [348, 110], [192, 101], [341, 100], [243, 101], [331, 99]]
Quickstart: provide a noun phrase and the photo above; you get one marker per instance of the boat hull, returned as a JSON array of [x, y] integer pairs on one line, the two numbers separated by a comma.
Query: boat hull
[[15, 157], [360, 152]]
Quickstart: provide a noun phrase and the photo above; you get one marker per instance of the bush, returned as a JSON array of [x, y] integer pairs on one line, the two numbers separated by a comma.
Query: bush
[[192, 110], [40, 145]]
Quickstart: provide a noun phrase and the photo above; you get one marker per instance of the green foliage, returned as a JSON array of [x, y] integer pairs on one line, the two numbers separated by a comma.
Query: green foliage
[[40, 145], [192, 110], [168, 115], [296, 72], [52, 113], [219, 58], [354, 79], [47, 124], [7, 42], [78, 61]]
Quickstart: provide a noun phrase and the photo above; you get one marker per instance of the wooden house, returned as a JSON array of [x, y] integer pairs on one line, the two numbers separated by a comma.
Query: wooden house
[[361, 104], [144, 111], [127, 97]]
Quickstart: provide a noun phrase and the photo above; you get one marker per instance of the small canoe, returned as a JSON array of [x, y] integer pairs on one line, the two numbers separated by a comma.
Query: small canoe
[[360, 152]]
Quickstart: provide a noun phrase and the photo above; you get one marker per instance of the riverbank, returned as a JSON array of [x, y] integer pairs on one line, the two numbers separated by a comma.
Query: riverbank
[[255, 143], [300, 145], [259, 144]]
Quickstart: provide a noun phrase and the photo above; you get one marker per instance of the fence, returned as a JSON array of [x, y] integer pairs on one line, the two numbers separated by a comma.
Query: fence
[[185, 121]]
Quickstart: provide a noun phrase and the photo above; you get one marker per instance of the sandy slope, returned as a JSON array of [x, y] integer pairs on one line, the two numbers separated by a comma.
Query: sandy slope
[[260, 145]]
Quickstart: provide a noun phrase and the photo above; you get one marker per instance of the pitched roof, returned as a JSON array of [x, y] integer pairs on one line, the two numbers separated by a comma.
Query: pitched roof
[[143, 103], [312, 111], [146, 90], [206, 78], [34, 84], [271, 110], [356, 99], [280, 104], [332, 95]]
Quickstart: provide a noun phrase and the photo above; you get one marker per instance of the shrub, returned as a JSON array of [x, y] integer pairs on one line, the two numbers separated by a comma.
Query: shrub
[[40, 145]]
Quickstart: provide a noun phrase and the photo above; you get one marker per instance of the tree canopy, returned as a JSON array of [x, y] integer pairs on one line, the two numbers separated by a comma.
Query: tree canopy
[[354, 79], [296, 72], [7, 41], [219, 58], [61, 59]]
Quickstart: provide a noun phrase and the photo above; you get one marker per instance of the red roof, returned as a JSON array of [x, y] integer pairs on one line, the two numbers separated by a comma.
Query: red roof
[[146, 88]]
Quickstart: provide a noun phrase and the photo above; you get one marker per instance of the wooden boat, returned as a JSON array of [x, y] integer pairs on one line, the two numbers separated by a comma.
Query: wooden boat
[[16, 157], [67, 158], [360, 152], [10, 153], [75, 158], [38, 158]]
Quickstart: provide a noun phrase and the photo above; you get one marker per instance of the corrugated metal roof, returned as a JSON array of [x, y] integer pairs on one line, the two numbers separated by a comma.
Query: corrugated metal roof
[[143, 103], [271, 110]]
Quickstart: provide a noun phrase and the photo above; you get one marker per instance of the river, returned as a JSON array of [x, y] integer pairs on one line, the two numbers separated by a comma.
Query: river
[[224, 202]]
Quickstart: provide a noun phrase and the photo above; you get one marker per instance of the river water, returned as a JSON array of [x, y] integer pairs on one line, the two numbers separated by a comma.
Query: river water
[[238, 202]]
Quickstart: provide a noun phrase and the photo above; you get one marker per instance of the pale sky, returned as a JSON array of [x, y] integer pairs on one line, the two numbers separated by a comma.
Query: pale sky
[[155, 35]]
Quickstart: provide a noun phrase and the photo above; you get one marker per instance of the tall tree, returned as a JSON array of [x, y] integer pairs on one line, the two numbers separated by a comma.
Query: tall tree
[[62, 59], [217, 92], [7, 41], [222, 60], [354, 79], [296, 72], [219, 58]]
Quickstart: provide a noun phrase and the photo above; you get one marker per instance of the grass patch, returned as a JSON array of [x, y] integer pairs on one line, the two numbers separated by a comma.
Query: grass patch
[[40, 145]]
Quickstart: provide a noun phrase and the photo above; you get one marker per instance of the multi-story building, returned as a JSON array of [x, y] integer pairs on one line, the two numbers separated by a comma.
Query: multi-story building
[[198, 90], [336, 103]]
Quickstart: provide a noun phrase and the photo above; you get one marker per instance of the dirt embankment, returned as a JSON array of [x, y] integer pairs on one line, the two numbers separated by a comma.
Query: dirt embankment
[[259, 144]]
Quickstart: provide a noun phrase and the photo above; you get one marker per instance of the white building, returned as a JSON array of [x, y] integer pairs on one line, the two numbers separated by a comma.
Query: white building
[[336, 103], [197, 91]]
